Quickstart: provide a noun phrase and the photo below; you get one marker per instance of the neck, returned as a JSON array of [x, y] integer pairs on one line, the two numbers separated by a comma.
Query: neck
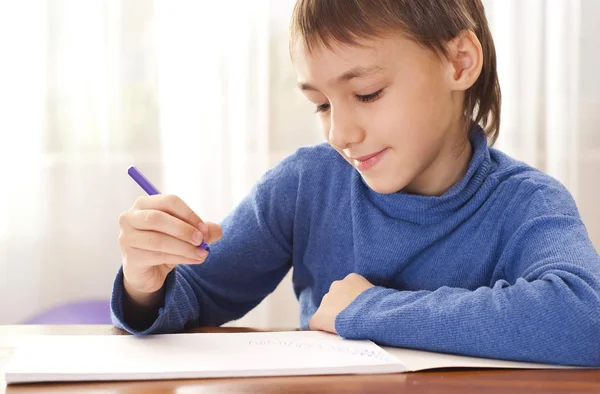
[[447, 168]]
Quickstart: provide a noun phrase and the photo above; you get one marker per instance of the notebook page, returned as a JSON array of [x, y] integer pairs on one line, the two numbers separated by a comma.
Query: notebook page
[[101, 357]]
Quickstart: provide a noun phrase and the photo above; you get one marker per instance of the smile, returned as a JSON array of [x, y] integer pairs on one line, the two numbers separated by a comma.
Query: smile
[[364, 163]]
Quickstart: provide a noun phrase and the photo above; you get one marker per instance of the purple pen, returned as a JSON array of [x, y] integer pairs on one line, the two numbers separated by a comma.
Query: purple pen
[[150, 189]]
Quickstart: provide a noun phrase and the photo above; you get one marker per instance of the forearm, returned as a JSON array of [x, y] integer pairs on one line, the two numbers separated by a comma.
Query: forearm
[[540, 321]]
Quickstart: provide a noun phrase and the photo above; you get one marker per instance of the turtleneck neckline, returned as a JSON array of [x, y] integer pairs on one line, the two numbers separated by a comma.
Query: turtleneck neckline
[[432, 209]]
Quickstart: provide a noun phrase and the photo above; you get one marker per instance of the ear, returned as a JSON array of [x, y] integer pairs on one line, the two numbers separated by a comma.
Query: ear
[[465, 57]]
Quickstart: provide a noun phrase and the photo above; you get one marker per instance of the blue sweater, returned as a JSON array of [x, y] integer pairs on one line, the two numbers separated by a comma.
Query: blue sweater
[[499, 266]]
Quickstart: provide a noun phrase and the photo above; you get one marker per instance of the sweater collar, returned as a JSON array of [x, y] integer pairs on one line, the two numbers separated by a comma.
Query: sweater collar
[[433, 209]]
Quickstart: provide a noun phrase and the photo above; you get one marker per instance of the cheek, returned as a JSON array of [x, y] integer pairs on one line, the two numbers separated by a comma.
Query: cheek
[[398, 118], [416, 115], [423, 97], [411, 125], [324, 123], [427, 102]]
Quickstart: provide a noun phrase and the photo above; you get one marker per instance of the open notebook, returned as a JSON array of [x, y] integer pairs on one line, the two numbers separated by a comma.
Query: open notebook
[[179, 356]]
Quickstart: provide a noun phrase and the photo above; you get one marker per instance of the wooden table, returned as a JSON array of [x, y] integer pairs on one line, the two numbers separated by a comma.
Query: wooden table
[[439, 382]]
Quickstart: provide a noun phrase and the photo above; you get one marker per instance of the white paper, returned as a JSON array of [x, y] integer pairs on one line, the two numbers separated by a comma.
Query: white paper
[[417, 360], [51, 358], [175, 356]]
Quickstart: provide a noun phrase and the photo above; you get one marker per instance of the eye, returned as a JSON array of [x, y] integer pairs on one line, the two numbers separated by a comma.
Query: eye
[[367, 98], [322, 108]]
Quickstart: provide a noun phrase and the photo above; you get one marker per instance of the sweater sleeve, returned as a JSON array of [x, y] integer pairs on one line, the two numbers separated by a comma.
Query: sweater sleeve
[[547, 309], [242, 268]]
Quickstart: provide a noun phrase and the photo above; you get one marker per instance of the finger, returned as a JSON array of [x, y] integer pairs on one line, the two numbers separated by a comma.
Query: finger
[[172, 205], [158, 242], [153, 258], [334, 285], [314, 323], [162, 222], [214, 232]]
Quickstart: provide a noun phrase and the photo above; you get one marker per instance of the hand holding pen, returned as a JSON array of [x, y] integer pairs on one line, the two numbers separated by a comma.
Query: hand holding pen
[[158, 233]]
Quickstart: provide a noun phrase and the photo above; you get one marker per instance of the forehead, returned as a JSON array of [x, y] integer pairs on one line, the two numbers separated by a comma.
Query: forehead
[[322, 63], [321, 60]]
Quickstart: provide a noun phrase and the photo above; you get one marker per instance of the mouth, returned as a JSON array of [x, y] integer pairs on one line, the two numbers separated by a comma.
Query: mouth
[[363, 163]]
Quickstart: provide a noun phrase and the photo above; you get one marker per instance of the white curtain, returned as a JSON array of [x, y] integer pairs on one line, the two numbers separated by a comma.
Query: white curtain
[[178, 88], [548, 64], [22, 119], [201, 96], [214, 97]]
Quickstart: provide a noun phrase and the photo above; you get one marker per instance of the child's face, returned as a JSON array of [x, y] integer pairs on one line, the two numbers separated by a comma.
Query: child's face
[[390, 98]]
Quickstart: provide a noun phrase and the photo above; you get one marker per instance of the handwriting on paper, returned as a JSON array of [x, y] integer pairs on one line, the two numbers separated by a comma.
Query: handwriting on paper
[[341, 348]]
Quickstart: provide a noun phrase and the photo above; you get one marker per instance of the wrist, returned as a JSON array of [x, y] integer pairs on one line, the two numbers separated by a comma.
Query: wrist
[[140, 299]]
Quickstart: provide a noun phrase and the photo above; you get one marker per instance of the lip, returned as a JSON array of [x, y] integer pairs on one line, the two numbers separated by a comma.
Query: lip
[[365, 162], [367, 157]]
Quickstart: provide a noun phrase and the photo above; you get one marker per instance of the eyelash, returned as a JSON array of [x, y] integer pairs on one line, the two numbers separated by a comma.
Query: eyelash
[[366, 98]]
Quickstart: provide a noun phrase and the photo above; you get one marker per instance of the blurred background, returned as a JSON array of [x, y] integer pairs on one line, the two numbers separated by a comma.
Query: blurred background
[[201, 96]]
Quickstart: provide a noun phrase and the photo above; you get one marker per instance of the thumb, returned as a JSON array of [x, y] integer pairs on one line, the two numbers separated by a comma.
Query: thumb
[[214, 232]]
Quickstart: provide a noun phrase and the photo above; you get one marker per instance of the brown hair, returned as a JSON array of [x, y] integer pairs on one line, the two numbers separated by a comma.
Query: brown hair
[[430, 23]]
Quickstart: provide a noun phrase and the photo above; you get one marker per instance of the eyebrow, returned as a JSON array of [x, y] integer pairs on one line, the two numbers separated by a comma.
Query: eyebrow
[[356, 72]]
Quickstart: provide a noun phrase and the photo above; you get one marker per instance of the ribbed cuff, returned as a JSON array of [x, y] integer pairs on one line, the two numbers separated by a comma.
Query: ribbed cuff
[[160, 325], [356, 321]]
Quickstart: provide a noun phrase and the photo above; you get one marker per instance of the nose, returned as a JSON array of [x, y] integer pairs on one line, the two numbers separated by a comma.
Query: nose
[[344, 130]]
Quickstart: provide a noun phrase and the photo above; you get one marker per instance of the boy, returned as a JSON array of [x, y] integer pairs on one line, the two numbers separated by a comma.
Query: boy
[[406, 228]]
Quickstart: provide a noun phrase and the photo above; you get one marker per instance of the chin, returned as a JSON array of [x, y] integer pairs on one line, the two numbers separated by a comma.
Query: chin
[[383, 186]]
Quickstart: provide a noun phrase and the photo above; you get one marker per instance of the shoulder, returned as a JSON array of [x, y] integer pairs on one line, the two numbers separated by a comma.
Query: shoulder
[[300, 183], [528, 191], [314, 164], [311, 159]]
